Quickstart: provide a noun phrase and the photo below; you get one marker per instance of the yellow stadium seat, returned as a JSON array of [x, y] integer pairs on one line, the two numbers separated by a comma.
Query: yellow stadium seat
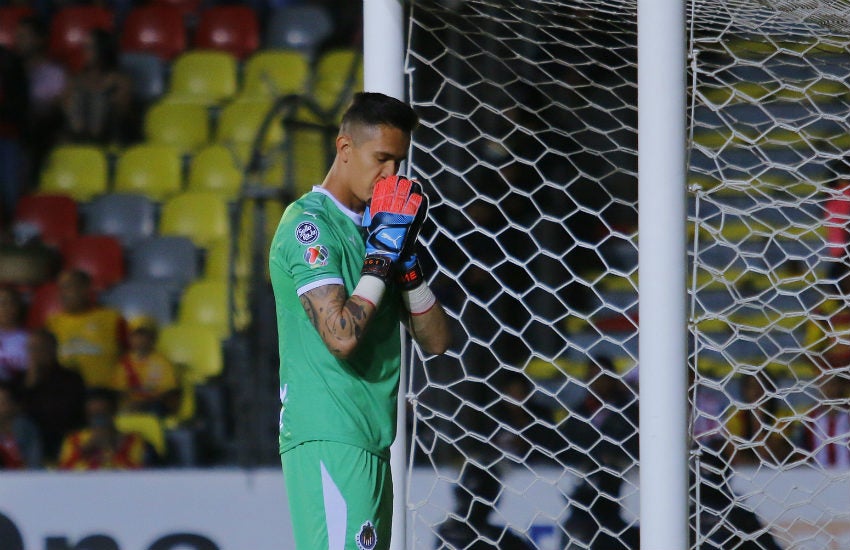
[[214, 169], [339, 73], [239, 123], [150, 170], [148, 425], [184, 126], [79, 171], [205, 303], [199, 215], [209, 76], [275, 73], [217, 264], [197, 348]]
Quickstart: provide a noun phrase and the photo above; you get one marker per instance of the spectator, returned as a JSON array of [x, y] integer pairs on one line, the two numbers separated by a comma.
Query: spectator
[[755, 428], [90, 337], [13, 110], [100, 445], [53, 396], [830, 321], [724, 522], [20, 442], [826, 434], [13, 339], [98, 105], [469, 526], [604, 444], [837, 216], [47, 84], [145, 378]]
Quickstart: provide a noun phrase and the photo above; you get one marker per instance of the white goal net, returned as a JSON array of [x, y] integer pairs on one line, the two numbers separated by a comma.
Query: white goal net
[[526, 433]]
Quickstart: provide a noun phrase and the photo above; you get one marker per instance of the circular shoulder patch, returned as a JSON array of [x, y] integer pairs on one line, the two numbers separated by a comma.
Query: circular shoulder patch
[[306, 232]]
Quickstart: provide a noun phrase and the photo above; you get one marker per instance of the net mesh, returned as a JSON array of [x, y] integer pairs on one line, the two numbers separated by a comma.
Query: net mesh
[[527, 430]]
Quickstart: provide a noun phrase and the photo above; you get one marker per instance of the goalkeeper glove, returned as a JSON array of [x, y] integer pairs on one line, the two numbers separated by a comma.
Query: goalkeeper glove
[[408, 271], [389, 219]]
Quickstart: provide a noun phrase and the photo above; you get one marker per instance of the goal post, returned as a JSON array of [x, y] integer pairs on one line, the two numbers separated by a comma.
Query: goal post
[[662, 217]]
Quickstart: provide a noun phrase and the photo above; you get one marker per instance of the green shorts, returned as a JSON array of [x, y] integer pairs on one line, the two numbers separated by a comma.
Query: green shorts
[[340, 497]]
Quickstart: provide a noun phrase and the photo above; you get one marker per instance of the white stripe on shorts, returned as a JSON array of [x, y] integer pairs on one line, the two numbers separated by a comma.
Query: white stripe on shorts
[[336, 511]]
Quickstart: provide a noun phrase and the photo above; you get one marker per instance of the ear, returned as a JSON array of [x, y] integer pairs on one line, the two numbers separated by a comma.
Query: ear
[[344, 144]]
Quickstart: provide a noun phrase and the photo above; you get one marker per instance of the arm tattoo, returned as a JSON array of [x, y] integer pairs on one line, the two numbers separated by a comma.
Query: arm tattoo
[[336, 317]]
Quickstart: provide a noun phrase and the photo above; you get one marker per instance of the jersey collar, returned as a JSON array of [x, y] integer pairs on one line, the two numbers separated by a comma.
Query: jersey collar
[[355, 217]]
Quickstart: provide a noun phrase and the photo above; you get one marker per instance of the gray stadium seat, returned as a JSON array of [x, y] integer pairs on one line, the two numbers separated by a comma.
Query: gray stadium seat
[[136, 298], [302, 28], [169, 261], [148, 74], [125, 216]]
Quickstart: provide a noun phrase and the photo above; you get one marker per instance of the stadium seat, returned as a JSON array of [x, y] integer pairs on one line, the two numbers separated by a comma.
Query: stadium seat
[[214, 169], [206, 76], [137, 298], [69, 29], [147, 425], [129, 217], [275, 73], [239, 123], [9, 18], [197, 348], [152, 170], [43, 302], [79, 171], [184, 126], [205, 302], [155, 29], [338, 74], [230, 28], [100, 256], [201, 216], [148, 73], [187, 8], [299, 27], [171, 262], [54, 218]]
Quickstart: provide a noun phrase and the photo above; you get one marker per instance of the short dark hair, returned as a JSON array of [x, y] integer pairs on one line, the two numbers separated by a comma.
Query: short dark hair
[[375, 109]]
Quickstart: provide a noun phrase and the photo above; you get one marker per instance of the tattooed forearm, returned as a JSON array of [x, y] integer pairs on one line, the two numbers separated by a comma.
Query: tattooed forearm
[[339, 320]]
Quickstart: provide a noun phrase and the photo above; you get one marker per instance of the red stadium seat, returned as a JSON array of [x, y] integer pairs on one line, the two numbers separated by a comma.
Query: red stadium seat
[[9, 18], [156, 29], [233, 29], [54, 217], [100, 256], [69, 29], [43, 302], [187, 7]]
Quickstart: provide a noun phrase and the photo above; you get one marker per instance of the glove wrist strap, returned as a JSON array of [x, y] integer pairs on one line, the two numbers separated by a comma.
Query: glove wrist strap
[[377, 265], [410, 278]]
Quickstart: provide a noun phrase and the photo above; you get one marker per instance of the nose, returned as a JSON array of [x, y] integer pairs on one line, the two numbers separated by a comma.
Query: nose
[[390, 168]]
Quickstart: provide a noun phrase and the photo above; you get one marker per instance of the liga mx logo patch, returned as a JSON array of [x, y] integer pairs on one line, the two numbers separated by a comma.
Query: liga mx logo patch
[[316, 256], [307, 233], [367, 538]]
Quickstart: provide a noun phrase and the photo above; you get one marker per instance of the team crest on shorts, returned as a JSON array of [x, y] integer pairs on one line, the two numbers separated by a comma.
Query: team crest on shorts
[[367, 537], [316, 256], [306, 232]]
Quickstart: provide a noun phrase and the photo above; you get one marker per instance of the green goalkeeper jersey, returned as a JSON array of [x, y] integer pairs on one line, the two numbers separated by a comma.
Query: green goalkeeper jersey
[[353, 401]]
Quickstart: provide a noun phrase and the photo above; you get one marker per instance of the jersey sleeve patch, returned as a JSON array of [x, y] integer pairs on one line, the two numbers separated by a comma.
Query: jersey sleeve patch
[[307, 232], [316, 256]]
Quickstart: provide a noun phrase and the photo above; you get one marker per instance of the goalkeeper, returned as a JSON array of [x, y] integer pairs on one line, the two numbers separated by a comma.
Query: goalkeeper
[[344, 273]]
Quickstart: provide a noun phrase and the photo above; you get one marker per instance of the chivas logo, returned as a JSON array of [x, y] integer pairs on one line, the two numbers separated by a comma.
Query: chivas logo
[[367, 538]]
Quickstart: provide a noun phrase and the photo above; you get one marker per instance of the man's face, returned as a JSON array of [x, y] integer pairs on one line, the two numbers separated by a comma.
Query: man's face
[[73, 293], [370, 154]]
